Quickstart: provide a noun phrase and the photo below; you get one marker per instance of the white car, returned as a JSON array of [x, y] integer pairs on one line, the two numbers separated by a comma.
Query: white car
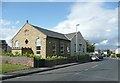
[[94, 57]]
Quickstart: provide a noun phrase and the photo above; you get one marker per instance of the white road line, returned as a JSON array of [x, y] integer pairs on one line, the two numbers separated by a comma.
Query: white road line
[[94, 66]]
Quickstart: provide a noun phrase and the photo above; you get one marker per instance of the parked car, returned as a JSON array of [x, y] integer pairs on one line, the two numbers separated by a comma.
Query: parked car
[[94, 57], [100, 56]]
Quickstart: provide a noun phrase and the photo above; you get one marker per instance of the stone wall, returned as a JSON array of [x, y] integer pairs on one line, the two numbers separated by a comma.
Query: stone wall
[[18, 60]]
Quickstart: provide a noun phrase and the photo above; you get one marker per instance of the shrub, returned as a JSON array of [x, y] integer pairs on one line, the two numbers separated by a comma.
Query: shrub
[[55, 57], [113, 56], [48, 58], [60, 57], [51, 57], [73, 57], [80, 56], [26, 54], [32, 55], [37, 57], [84, 56], [7, 54], [118, 55], [17, 53]]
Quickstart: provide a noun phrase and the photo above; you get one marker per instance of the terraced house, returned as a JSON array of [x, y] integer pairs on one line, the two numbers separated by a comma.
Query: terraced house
[[41, 42]]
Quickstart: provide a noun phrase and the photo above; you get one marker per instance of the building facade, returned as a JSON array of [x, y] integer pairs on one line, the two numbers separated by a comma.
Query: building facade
[[117, 51], [42, 42], [38, 41], [81, 44]]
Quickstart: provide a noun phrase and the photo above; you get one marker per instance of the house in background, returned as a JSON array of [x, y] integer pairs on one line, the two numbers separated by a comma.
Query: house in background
[[117, 51], [81, 44], [42, 42], [4, 47]]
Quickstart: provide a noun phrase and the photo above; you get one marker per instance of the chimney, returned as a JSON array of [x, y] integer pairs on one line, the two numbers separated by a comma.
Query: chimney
[[26, 21]]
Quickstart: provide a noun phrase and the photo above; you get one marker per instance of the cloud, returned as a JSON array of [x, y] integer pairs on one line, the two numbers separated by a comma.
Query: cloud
[[108, 30], [4, 22], [112, 21], [104, 42], [17, 22], [96, 22], [7, 30], [117, 44]]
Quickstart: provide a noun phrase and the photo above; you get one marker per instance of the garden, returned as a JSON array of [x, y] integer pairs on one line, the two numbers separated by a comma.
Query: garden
[[8, 67], [16, 61]]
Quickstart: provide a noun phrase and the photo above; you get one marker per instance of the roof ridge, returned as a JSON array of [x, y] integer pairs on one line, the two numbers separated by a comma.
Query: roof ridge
[[46, 29], [51, 33]]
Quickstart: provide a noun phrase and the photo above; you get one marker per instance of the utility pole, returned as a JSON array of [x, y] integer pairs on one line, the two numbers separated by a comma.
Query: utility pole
[[76, 39]]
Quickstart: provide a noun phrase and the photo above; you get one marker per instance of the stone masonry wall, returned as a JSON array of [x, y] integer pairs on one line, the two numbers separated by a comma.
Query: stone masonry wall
[[18, 60]]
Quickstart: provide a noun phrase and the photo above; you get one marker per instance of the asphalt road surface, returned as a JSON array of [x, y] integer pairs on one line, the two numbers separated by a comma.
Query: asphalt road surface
[[105, 70]]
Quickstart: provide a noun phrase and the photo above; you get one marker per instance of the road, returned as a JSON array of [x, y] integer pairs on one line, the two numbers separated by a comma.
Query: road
[[105, 70]]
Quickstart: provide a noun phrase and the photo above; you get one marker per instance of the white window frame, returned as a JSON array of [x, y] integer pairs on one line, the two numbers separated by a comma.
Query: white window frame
[[54, 44], [38, 42], [17, 44], [68, 48], [62, 50]]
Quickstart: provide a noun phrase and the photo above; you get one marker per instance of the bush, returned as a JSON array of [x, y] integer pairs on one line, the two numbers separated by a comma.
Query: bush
[[51, 57], [60, 57], [26, 54], [55, 57], [32, 55], [80, 56], [8, 54], [17, 53], [118, 55], [113, 56], [73, 57], [37, 57]]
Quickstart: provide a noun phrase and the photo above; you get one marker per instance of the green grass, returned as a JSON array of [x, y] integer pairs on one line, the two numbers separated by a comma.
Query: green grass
[[6, 67]]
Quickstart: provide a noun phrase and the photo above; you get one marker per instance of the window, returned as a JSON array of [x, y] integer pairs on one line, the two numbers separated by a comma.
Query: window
[[26, 41], [37, 52], [75, 48], [68, 48], [83, 50], [17, 43], [80, 47], [61, 48], [38, 46], [53, 48]]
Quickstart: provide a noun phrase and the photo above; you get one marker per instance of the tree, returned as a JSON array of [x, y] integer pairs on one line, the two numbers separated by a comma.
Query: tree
[[109, 52], [90, 47]]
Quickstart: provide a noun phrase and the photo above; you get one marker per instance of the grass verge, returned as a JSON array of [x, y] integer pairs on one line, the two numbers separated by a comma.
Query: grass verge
[[7, 67]]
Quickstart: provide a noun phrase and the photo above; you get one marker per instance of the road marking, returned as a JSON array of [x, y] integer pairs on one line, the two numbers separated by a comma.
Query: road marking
[[94, 66]]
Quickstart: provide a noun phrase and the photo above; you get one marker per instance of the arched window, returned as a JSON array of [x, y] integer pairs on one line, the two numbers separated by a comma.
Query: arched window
[[38, 42], [38, 45], [17, 43]]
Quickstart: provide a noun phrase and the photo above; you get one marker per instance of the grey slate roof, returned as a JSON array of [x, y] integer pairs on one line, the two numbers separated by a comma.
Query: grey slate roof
[[71, 35], [51, 33]]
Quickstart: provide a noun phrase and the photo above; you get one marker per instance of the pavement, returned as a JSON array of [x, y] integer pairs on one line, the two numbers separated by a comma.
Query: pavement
[[32, 71]]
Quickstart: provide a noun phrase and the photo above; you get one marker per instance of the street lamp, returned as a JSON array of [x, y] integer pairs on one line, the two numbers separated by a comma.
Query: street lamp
[[76, 38]]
